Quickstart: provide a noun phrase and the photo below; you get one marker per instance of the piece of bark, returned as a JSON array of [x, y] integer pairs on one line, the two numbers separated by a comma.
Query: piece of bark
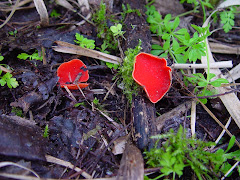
[[174, 113], [143, 111], [144, 121], [21, 139], [223, 48], [131, 165]]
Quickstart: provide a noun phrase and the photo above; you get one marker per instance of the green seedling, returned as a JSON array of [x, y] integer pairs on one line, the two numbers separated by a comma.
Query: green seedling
[[13, 33], [127, 9], [55, 14], [79, 104], [227, 19], [46, 130], [117, 30], [111, 65], [33, 56], [7, 77], [179, 152], [84, 42], [103, 48], [17, 111], [200, 81]]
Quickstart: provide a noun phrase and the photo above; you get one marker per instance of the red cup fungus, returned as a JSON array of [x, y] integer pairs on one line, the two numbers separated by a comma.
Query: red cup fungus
[[73, 74], [153, 74]]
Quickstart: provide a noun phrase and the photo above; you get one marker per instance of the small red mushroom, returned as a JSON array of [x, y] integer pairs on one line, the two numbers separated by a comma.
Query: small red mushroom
[[71, 74], [153, 74]]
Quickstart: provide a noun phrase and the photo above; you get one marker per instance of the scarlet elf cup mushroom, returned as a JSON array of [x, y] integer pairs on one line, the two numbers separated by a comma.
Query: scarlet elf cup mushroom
[[153, 74], [73, 74]]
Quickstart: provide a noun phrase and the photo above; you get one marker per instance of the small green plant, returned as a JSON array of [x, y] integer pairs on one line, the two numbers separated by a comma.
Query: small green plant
[[199, 80], [227, 18], [17, 111], [84, 42], [101, 18], [13, 33], [117, 30], [7, 77], [183, 48], [125, 72], [33, 56], [179, 152], [127, 9], [46, 130], [97, 104], [55, 14], [79, 104], [177, 43], [103, 48]]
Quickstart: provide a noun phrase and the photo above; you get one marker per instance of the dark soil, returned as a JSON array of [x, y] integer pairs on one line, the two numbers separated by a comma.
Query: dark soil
[[81, 134]]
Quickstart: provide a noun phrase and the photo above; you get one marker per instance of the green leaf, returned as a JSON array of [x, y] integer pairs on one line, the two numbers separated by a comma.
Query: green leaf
[[7, 78], [227, 19], [166, 45], [166, 36], [156, 46], [218, 82], [231, 143], [2, 81], [175, 23], [175, 44], [180, 50], [211, 75], [166, 20], [23, 56], [1, 57], [84, 42], [182, 31], [202, 83], [111, 65], [156, 52]]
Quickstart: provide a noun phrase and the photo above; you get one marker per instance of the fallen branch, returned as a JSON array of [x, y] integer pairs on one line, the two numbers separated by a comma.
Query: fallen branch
[[55, 160], [65, 47], [224, 49], [222, 64]]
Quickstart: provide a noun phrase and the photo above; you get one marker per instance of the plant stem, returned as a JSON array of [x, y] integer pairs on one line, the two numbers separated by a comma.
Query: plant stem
[[204, 12], [208, 62], [186, 13]]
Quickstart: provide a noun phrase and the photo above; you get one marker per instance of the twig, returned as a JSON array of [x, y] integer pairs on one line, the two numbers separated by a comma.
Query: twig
[[193, 117], [11, 14], [224, 49], [223, 131], [5, 69], [74, 49], [55, 160], [6, 163], [70, 94], [230, 170], [222, 64]]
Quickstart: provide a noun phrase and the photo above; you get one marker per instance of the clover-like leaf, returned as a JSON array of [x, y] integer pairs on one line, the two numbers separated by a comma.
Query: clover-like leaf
[[218, 82]]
